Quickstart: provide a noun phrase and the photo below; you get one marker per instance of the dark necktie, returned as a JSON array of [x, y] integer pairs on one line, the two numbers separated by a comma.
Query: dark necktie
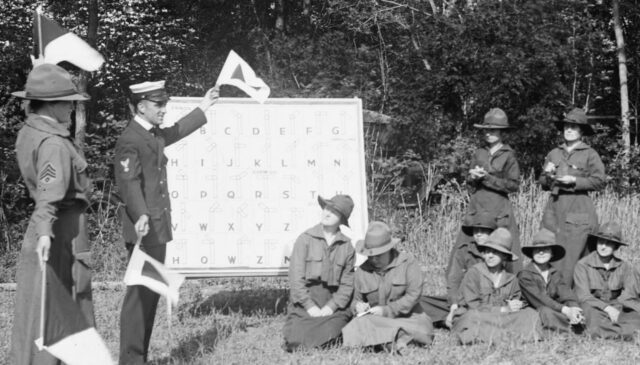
[[155, 130]]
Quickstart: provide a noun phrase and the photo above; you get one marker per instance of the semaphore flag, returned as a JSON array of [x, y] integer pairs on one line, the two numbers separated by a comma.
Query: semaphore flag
[[54, 44], [238, 73], [145, 270], [66, 333]]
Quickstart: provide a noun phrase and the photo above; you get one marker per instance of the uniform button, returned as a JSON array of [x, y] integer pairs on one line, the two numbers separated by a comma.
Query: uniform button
[[163, 195], [161, 182], [165, 208]]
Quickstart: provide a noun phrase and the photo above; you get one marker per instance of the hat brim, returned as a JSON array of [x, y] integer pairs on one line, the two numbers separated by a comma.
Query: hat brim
[[498, 248], [375, 251], [468, 229], [492, 126], [587, 129], [557, 251], [72, 97], [593, 238], [323, 203]]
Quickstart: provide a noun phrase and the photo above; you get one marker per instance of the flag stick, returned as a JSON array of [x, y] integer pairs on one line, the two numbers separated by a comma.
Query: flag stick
[[39, 20], [42, 299]]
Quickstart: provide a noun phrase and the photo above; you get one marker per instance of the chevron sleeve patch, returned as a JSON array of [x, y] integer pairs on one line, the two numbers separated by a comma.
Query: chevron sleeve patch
[[48, 174]]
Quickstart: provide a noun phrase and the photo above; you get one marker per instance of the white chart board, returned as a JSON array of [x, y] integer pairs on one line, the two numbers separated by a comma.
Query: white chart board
[[245, 185]]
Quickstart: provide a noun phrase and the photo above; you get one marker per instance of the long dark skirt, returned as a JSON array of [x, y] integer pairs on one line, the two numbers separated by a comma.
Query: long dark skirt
[[302, 330], [599, 324], [68, 228], [437, 308], [474, 326], [370, 330]]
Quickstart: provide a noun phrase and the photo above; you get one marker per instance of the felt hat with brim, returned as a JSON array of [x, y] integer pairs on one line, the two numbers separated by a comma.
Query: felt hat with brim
[[609, 231], [340, 204], [49, 82], [544, 238], [579, 117], [495, 118], [500, 240], [377, 240], [479, 220], [150, 90]]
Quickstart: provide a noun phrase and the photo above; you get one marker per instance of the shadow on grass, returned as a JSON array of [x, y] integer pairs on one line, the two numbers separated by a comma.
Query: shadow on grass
[[192, 348], [265, 301]]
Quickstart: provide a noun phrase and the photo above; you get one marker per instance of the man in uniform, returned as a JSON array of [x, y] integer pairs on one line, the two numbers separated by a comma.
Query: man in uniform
[[141, 175]]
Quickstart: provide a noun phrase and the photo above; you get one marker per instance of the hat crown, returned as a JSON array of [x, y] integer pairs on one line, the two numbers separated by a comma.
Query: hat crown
[[342, 203], [496, 117], [49, 81], [501, 237], [149, 90], [577, 116], [543, 237], [610, 230], [484, 220], [378, 234]]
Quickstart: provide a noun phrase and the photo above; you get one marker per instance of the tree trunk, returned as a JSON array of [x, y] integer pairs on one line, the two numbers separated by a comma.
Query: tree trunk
[[622, 73], [82, 108]]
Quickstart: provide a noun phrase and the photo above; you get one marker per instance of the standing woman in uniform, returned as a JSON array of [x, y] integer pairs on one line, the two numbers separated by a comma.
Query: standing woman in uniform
[[321, 279], [494, 174], [54, 171], [571, 171]]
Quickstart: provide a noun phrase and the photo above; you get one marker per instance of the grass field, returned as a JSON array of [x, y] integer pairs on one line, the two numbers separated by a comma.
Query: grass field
[[239, 321]]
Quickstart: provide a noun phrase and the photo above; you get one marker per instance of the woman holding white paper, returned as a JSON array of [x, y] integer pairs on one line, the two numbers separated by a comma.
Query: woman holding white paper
[[387, 289]]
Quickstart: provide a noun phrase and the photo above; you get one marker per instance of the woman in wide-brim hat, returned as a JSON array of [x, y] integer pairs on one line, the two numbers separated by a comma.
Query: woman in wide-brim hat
[[570, 172], [320, 279], [387, 290], [543, 288], [492, 310], [54, 172], [610, 302], [494, 173], [441, 308]]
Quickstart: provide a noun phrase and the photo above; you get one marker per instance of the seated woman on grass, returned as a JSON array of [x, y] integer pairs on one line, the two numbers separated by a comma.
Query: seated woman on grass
[[463, 256], [543, 288], [387, 288], [607, 287], [491, 307], [321, 279]]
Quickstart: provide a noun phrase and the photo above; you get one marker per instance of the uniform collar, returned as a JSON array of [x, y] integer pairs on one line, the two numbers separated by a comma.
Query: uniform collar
[[531, 267], [399, 258], [316, 232], [580, 146], [146, 125], [593, 260], [47, 124], [505, 278], [504, 148]]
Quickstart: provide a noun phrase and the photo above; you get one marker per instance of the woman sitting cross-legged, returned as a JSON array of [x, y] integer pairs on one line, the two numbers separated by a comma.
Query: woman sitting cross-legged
[[543, 288], [491, 309], [607, 287], [321, 279], [387, 289], [463, 256]]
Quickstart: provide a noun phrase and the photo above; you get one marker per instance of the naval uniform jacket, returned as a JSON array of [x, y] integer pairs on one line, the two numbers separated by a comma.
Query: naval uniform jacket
[[141, 175]]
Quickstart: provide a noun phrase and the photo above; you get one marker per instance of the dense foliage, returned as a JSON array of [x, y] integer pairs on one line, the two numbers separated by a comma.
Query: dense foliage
[[434, 66]]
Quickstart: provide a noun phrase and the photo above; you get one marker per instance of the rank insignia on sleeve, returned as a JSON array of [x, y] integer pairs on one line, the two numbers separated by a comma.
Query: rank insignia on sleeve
[[48, 173], [125, 165]]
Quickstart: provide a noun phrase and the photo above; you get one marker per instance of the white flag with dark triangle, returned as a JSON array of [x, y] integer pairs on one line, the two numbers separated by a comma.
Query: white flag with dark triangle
[[54, 44], [238, 73], [145, 270]]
